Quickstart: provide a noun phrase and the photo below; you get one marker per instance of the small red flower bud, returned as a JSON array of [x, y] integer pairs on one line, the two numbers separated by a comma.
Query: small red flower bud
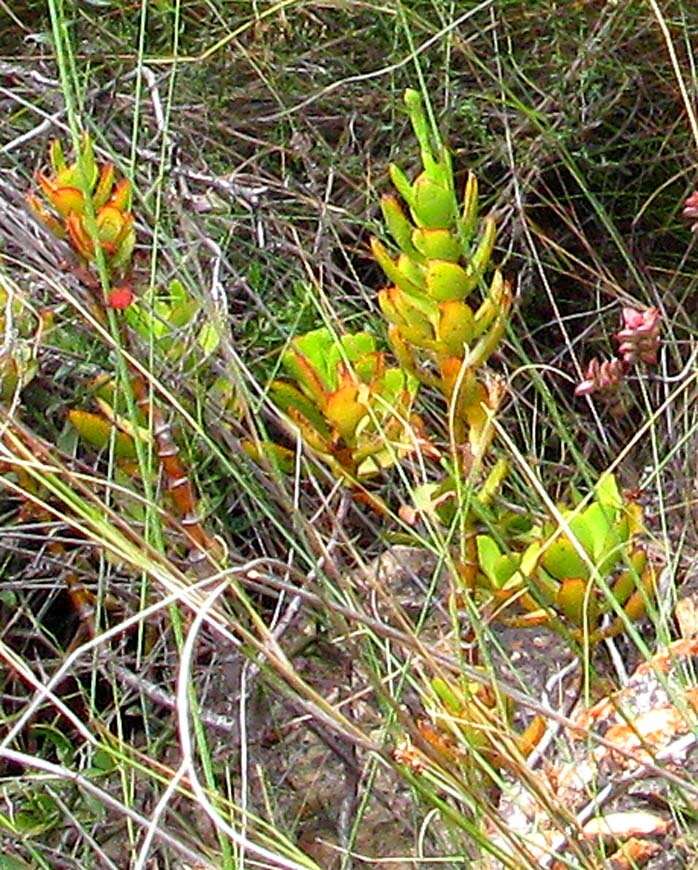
[[120, 297]]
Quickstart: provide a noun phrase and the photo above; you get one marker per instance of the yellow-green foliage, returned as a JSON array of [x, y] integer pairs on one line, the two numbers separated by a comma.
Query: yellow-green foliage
[[351, 409], [166, 319], [434, 332], [65, 190], [554, 575]]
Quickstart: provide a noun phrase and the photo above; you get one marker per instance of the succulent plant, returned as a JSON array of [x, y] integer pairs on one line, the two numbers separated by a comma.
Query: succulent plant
[[639, 339], [64, 190], [554, 576], [601, 377], [97, 430], [350, 408], [163, 322], [435, 334]]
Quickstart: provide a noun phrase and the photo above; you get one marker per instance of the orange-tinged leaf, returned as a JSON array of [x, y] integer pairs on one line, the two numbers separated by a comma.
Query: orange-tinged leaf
[[47, 185], [386, 300], [635, 606], [475, 408], [104, 185], [50, 221], [78, 237], [97, 431], [532, 736], [450, 369], [343, 410], [455, 326], [288, 397], [687, 617], [64, 199], [121, 197], [314, 438], [110, 225], [571, 601], [67, 200], [304, 372], [442, 742], [624, 585], [634, 853]]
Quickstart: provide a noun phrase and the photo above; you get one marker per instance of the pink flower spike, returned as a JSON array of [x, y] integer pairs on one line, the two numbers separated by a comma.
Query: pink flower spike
[[601, 377], [647, 320], [585, 388], [690, 209], [639, 340], [632, 318]]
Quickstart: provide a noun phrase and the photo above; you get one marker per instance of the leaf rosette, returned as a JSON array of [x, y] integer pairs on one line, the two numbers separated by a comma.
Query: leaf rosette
[[349, 406], [64, 191]]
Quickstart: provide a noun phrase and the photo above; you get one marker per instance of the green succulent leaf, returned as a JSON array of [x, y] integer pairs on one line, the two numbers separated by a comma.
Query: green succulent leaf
[[287, 397], [392, 269], [412, 270], [607, 492], [498, 567], [209, 338], [89, 164], [436, 244], [56, 156], [448, 697], [468, 219], [306, 363], [125, 251], [356, 345], [546, 587], [446, 280], [402, 184], [278, 456], [97, 431], [180, 315], [595, 528], [398, 225], [455, 326], [562, 560], [433, 204], [481, 257]]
